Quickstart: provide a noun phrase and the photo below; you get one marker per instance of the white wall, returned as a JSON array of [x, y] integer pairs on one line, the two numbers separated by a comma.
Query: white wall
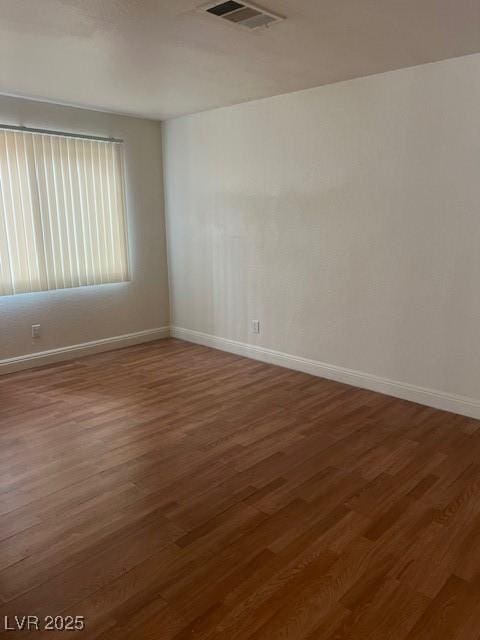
[[73, 316], [345, 218]]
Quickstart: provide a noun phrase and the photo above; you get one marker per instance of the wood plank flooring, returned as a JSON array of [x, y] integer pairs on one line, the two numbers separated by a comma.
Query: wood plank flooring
[[169, 491]]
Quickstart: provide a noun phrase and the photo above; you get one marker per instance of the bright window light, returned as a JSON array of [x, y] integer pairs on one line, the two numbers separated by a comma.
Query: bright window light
[[62, 212]]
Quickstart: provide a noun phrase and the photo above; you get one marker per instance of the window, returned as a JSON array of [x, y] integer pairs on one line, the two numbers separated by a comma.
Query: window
[[62, 212]]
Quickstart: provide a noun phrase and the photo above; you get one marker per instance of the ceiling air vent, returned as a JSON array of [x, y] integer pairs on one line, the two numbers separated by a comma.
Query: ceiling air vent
[[243, 14]]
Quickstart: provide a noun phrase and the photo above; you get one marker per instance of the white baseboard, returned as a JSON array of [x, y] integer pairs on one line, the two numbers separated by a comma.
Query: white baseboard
[[438, 399], [41, 358]]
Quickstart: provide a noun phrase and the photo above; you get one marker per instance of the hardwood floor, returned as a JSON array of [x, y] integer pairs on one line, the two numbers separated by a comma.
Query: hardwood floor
[[170, 491]]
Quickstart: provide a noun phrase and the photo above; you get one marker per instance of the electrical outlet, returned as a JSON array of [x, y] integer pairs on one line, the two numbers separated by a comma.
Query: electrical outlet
[[35, 330], [255, 326]]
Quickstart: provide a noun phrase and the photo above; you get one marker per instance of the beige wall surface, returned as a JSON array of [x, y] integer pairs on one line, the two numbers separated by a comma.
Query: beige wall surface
[[345, 218], [73, 316]]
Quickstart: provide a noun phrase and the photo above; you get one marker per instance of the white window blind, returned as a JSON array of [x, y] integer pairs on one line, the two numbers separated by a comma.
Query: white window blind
[[62, 212]]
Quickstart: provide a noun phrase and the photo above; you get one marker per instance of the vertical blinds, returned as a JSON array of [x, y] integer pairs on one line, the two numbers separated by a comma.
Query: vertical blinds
[[62, 212]]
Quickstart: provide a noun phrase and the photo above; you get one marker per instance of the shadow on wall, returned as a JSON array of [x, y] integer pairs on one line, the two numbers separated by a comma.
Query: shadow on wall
[[323, 282]]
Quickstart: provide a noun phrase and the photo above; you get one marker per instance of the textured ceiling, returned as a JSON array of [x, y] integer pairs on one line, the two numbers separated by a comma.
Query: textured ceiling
[[161, 59]]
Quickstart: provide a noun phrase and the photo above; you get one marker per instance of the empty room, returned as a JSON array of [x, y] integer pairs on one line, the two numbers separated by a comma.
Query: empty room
[[239, 319]]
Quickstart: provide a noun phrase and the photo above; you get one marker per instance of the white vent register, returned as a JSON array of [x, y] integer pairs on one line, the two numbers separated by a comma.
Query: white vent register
[[242, 14]]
